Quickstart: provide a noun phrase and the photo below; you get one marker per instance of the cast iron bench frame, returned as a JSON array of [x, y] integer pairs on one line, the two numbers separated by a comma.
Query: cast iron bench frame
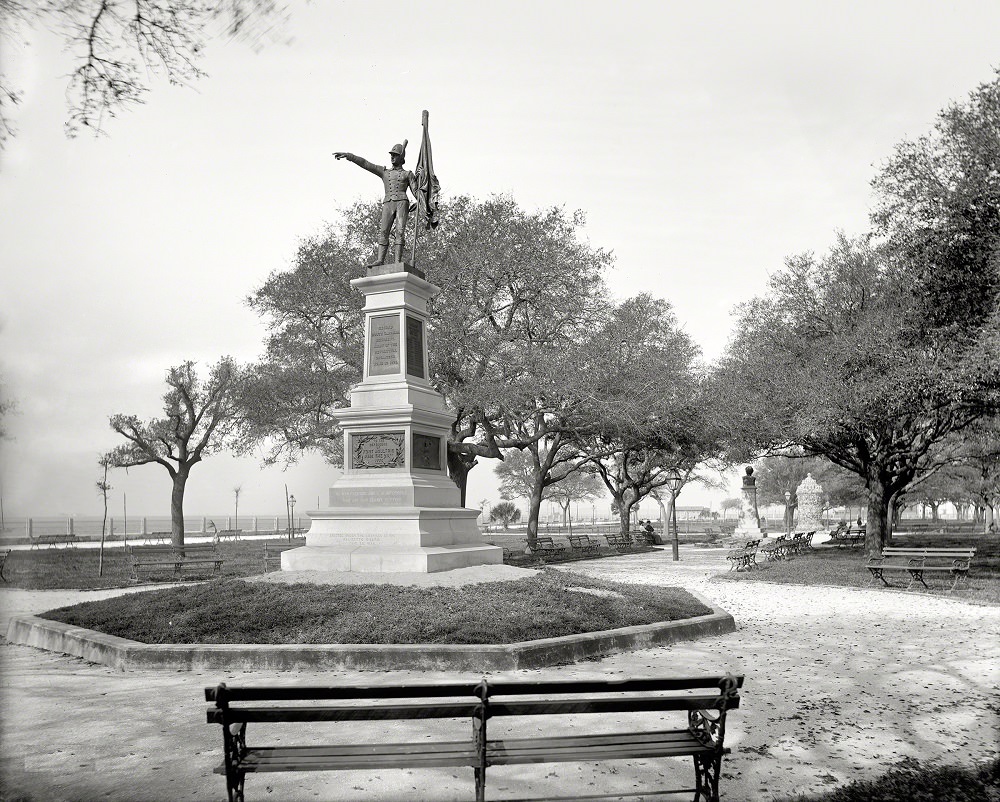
[[583, 543], [157, 559], [618, 541], [777, 549], [52, 541], [849, 537], [706, 701], [744, 556], [227, 534], [156, 538], [544, 544], [802, 541], [916, 564]]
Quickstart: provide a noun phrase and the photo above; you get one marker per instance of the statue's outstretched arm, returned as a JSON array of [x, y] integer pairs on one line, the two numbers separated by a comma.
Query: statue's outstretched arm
[[363, 163]]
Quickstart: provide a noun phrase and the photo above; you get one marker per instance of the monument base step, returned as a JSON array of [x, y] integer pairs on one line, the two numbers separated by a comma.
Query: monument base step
[[389, 559]]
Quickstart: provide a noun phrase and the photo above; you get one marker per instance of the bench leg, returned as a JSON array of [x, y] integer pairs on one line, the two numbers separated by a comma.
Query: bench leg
[[706, 777], [877, 574], [917, 576]]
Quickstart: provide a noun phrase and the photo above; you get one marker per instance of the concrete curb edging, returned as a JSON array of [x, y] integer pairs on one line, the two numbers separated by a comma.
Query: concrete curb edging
[[126, 655]]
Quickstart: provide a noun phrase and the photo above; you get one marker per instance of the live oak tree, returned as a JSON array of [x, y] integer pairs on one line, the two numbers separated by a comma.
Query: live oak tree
[[516, 286], [641, 410], [545, 470], [938, 207], [198, 415], [827, 363]]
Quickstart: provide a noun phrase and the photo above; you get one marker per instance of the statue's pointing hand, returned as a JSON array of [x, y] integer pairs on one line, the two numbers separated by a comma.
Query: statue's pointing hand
[[343, 154]]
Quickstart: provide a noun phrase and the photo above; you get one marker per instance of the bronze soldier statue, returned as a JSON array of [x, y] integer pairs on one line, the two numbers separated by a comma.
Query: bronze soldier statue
[[395, 205]]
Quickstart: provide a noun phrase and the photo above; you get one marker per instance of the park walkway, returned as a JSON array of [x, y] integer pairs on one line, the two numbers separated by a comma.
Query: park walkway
[[840, 683]]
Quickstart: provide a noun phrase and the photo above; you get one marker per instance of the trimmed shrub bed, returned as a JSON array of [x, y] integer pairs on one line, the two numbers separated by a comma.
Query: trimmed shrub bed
[[549, 604]]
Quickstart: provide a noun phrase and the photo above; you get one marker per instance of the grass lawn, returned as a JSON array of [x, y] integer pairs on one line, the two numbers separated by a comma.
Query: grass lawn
[[846, 568], [913, 781], [548, 604], [64, 569]]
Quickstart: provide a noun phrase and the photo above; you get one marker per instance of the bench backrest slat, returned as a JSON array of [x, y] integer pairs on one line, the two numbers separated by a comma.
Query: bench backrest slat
[[434, 690], [396, 712], [892, 551], [627, 704]]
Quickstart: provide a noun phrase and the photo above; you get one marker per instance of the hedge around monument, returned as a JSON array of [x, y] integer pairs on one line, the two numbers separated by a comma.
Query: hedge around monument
[[549, 604]]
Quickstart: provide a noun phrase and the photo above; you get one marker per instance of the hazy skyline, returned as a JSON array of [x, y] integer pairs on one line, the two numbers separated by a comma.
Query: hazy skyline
[[705, 143]]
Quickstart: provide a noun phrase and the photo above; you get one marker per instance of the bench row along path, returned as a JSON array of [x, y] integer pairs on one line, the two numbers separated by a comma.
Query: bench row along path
[[839, 683]]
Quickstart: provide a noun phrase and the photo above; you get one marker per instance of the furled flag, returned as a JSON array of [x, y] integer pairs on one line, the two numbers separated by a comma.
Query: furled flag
[[428, 186]]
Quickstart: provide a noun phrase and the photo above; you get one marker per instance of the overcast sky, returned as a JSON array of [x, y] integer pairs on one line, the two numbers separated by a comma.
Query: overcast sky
[[705, 141]]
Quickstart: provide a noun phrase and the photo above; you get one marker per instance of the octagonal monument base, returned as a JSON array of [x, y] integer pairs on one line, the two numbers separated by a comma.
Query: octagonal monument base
[[392, 540]]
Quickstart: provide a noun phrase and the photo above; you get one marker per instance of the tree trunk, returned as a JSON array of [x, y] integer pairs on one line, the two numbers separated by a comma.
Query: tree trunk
[[459, 465], [878, 517], [177, 508], [534, 510], [624, 516]]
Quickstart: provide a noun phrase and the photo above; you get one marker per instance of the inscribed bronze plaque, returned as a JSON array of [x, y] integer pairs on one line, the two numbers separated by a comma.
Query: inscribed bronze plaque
[[378, 450], [383, 345], [414, 347], [426, 452]]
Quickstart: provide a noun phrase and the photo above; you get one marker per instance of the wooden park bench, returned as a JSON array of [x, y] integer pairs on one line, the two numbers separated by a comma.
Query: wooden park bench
[[4, 554], [52, 541], [584, 543], [851, 536], [227, 534], [618, 541], [272, 553], [545, 545], [152, 538], [777, 549], [704, 701], [921, 561], [801, 541], [195, 557], [744, 556]]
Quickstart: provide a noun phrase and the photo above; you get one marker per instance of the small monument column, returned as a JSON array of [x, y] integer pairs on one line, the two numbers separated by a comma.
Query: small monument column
[[749, 525], [810, 495], [394, 509]]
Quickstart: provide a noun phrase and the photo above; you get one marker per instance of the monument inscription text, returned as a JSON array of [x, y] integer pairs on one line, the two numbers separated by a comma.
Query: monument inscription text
[[378, 450], [383, 345]]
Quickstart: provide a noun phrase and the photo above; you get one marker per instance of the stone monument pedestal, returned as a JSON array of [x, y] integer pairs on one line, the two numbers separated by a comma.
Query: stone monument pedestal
[[394, 509]]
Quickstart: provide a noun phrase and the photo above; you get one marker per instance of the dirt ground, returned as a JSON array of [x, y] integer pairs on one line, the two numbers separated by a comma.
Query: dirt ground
[[840, 683]]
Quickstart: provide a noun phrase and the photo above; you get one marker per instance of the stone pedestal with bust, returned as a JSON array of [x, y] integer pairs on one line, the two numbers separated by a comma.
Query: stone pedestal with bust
[[395, 509], [749, 525]]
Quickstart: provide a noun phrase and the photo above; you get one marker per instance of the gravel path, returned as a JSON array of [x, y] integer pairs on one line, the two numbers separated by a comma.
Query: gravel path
[[840, 683]]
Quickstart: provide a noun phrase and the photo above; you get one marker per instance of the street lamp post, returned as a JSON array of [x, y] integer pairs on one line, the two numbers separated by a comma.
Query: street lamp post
[[674, 482], [788, 512], [291, 517]]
